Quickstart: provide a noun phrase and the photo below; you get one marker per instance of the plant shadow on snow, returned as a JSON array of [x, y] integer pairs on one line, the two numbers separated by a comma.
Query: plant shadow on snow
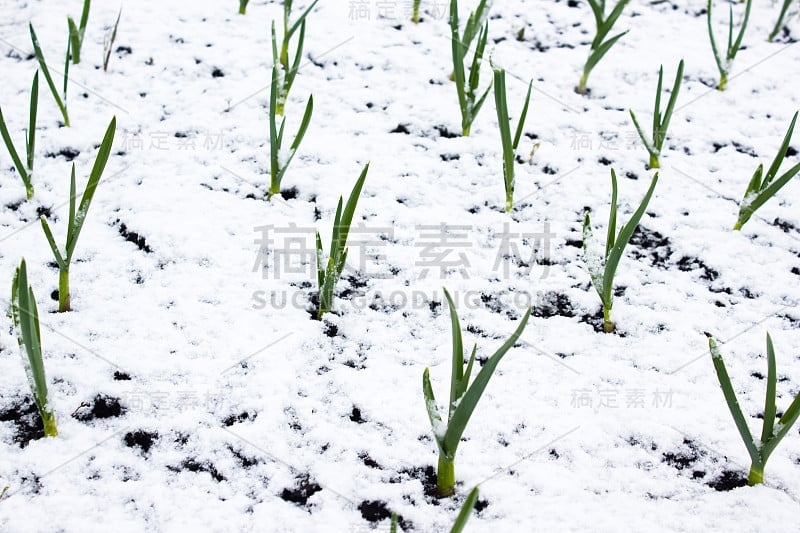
[[28, 424]]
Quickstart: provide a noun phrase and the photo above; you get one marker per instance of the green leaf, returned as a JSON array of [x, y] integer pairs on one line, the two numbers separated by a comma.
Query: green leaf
[[733, 403], [62, 264], [769, 401], [784, 425], [597, 54], [622, 239], [673, 97], [642, 135], [43, 66], [94, 178], [722, 70], [733, 50], [433, 411], [457, 362], [779, 157], [465, 512], [31, 142], [467, 403], [523, 114], [299, 21], [12, 150], [612, 215]]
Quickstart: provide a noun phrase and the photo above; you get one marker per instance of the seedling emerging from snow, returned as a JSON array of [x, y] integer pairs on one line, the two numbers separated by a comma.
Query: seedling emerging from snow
[[509, 145], [243, 6], [25, 171], [600, 46], [327, 276], [108, 42], [288, 74], [463, 398], [25, 317], [280, 158], [771, 434], [660, 124], [724, 64], [603, 266], [415, 14], [758, 190], [76, 219], [76, 32], [461, 519], [61, 99], [468, 99], [779, 22]]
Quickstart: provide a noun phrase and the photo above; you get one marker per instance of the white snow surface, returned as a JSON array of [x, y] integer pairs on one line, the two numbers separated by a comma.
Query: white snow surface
[[252, 406]]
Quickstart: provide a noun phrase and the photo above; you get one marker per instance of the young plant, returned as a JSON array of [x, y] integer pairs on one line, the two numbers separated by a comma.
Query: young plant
[[243, 6], [760, 190], [724, 65], [61, 99], [779, 22], [771, 434], [467, 88], [602, 266], [25, 317], [415, 14], [279, 159], [328, 275], [509, 145], [287, 74], [25, 171], [660, 124], [461, 519], [463, 398], [76, 219], [76, 33], [108, 42], [601, 45]]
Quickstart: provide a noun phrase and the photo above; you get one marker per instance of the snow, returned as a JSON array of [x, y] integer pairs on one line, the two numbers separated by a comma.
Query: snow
[[234, 411]]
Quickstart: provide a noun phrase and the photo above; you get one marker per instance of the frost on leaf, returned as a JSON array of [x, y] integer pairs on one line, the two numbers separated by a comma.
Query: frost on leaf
[[594, 256]]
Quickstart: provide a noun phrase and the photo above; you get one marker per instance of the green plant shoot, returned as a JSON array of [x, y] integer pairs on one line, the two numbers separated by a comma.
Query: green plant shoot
[[329, 272], [25, 317], [600, 45], [603, 265], [463, 398], [415, 12], [287, 74], [779, 23], [724, 63], [771, 433], [25, 171], [760, 190], [76, 33], [108, 42], [467, 89], [77, 218], [243, 6], [660, 124], [461, 519], [279, 158], [509, 145], [60, 98]]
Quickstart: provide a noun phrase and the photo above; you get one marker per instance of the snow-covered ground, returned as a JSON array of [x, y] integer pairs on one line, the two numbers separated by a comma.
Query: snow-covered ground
[[194, 392]]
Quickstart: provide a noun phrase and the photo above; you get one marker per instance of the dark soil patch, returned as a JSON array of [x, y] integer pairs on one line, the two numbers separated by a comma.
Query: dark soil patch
[[25, 417], [355, 416], [134, 237], [688, 264], [193, 465], [101, 407], [553, 304], [728, 480], [236, 419], [303, 490], [656, 246], [141, 439]]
